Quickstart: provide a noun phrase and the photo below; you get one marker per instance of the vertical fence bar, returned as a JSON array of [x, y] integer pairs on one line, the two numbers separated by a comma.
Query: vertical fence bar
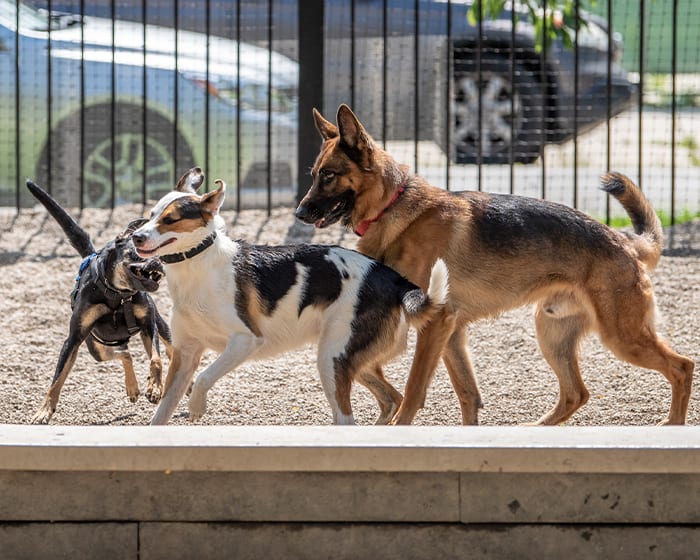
[[81, 149], [49, 87], [176, 92], [416, 82], [479, 46], [674, 61], [18, 110], [511, 147], [543, 123], [269, 106], [207, 26], [238, 107], [448, 95], [113, 111], [353, 54], [608, 114], [144, 109], [385, 69], [310, 22], [576, 84], [640, 92]]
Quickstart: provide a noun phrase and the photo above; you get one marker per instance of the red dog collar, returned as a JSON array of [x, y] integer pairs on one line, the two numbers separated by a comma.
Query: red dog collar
[[363, 226]]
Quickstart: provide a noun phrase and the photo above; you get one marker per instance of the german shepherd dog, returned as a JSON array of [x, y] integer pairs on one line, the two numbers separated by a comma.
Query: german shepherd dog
[[110, 303], [252, 301], [501, 251]]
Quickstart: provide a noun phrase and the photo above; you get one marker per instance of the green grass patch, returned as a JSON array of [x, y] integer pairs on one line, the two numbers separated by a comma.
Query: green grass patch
[[665, 217]]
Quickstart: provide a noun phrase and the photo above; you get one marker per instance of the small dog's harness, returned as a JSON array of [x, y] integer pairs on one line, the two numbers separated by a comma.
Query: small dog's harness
[[115, 299]]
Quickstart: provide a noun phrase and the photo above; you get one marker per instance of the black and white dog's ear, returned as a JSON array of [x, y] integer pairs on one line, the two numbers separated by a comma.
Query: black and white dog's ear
[[212, 201], [190, 181], [132, 226]]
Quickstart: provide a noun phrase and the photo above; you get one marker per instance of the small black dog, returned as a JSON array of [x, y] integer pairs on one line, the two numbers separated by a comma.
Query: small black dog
[[110, 304]]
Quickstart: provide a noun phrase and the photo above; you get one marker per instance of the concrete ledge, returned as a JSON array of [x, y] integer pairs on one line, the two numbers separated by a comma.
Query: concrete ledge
[[625, 450], [371, 492]]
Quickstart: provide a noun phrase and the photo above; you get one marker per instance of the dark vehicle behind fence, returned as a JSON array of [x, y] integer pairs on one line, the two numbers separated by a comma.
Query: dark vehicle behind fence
[[482, 93]]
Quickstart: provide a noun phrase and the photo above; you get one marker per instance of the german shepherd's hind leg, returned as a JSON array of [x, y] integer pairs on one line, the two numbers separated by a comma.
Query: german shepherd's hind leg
[[388, 398], [459, 366], [629, 332], [429, 347], [559, 337]]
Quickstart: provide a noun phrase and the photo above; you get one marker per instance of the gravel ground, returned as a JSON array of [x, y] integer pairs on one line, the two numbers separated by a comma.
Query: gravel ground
[[38, 267]]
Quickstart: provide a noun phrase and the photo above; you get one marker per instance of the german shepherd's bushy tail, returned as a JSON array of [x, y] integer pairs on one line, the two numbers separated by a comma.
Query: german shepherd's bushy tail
[[77, 236], [419, 306], [649, 238]]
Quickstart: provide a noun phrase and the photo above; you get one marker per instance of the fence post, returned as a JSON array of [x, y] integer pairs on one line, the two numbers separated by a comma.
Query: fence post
[[311, 24]]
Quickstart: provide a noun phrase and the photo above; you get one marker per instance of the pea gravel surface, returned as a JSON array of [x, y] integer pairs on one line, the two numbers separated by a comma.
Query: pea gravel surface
[[37, 271]]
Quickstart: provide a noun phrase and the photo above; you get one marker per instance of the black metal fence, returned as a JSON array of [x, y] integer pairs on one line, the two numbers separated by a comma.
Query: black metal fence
[[108, 101]]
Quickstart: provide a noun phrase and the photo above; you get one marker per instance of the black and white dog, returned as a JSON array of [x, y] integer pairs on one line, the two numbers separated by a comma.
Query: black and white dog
[[250, 301], [110, 303]]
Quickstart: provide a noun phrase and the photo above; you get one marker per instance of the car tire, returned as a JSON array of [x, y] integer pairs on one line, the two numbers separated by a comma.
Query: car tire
[[160, 165], [511, 112]]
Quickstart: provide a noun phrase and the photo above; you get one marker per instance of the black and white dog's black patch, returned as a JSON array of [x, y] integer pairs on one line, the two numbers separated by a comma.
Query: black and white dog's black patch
[[253, 301]]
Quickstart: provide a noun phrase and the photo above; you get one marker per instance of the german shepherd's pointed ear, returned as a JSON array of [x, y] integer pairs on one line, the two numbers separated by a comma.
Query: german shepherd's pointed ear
[[326, 129], [190, 181], [212, 202], [353, 136]]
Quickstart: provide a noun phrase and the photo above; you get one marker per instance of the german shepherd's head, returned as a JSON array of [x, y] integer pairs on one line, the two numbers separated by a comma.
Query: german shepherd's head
[[353, 179]]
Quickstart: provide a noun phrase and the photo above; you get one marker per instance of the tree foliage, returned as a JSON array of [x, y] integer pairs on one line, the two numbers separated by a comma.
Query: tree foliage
[[551, 20]]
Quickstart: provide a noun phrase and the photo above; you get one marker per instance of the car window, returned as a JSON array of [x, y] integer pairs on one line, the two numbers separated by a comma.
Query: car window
[[28, 17]]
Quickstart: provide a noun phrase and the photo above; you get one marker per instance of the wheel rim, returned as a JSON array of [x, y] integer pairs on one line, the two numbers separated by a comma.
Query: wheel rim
[[501, 114], [128, 170]]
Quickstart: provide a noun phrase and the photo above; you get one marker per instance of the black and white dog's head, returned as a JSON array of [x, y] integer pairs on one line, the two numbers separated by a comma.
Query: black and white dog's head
[[182, 219]]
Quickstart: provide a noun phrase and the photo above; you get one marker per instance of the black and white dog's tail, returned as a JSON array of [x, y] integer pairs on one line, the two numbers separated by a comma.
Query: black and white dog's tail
[[419, 306], [77, 236]]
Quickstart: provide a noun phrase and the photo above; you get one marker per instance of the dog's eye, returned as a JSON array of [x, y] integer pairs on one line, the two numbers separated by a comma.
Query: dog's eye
[[168, 220], [327, 175]]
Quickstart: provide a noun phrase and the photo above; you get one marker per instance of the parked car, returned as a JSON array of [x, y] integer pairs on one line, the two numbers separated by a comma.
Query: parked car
[[129, 118], [521, 110]]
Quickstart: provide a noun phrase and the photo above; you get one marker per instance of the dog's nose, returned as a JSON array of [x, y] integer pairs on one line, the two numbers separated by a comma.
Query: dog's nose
[[138, 239], [302, 212]]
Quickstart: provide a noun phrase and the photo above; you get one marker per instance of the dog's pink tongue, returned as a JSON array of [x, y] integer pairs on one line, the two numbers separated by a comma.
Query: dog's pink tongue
[[320, 223]]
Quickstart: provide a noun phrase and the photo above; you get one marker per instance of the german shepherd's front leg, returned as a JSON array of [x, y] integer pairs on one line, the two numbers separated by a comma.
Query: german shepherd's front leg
[[429, 346], [461, 371]]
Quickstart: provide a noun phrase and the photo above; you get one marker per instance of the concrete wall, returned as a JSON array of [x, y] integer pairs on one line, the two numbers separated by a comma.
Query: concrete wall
[[332, 492]]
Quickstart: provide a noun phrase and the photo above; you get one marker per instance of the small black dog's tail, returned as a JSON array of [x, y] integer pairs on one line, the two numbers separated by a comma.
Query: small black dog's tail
[[77, 236]]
